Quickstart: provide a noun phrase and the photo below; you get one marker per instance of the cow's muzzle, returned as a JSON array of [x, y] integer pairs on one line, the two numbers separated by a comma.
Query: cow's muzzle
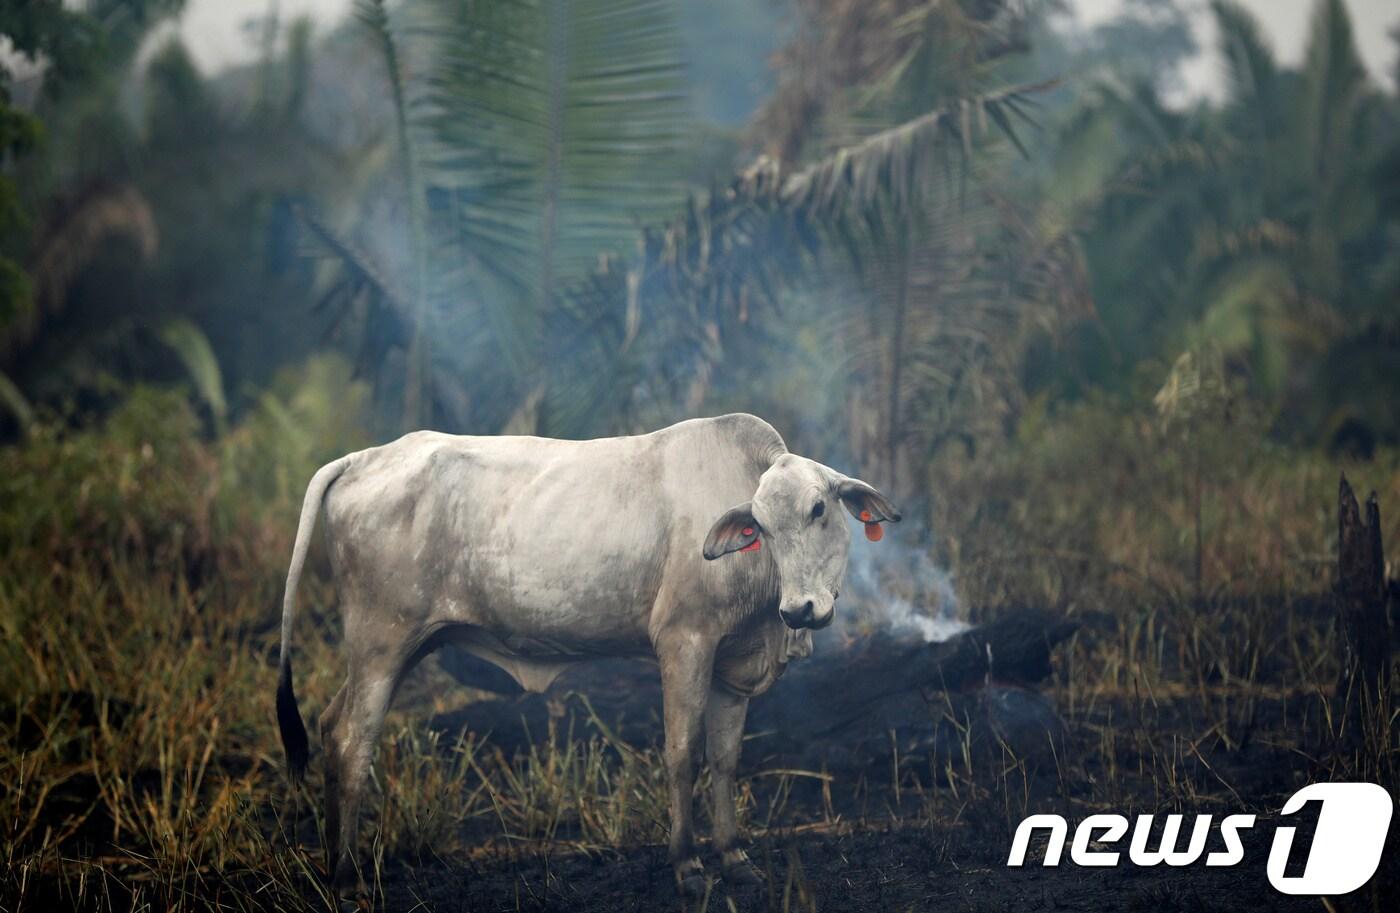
[[805, 614]]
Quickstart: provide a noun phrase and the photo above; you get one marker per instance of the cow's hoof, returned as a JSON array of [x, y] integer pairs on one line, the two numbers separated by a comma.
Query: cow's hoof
[[690, 878], [351, 894], [693, 886], [744, 875], [739, 872]]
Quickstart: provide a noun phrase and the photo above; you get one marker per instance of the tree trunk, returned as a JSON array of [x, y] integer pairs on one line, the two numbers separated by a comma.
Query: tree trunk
[[1361, 597]]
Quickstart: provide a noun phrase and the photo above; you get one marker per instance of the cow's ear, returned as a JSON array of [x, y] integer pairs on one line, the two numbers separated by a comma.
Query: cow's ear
[[867, 505], [736, 531]]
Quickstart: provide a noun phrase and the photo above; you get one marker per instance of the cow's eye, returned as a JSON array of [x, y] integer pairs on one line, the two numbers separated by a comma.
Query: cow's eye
[[818, 509]]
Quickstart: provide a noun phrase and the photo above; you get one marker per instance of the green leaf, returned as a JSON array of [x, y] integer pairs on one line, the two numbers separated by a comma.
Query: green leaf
[[14, 402], [192, 347]]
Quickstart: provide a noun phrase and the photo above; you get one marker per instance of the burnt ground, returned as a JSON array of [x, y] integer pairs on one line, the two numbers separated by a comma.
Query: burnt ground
[[876, 865], [939, 846], [943, 847], [936, 841]]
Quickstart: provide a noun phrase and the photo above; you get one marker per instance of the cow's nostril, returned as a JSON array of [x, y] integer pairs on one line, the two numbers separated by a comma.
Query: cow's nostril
[[799, 616]]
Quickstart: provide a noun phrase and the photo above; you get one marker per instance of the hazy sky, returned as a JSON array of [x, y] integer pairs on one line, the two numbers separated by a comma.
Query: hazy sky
[[1285, 23], [212, 28]]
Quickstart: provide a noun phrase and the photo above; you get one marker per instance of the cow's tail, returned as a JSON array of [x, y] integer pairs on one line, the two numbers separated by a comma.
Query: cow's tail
[[294, 741]]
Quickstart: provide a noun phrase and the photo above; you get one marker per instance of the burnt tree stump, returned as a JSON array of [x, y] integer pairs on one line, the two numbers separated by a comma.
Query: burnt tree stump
[[1362, 599]]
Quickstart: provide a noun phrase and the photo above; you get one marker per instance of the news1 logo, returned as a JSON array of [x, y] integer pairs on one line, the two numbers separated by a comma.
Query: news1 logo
[[1353, 819]]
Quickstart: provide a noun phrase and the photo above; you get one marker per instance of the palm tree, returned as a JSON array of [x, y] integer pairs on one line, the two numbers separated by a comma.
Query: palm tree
[[541, 142], [923, 275], [48, 236], [155, 259], [1231, 227], [540, 133]]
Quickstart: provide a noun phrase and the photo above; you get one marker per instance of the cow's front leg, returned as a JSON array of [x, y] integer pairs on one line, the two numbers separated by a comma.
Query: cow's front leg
[[687, 663], [724, 739]]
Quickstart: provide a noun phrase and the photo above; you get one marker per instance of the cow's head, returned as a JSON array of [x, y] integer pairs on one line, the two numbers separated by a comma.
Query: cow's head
[[794, 514]]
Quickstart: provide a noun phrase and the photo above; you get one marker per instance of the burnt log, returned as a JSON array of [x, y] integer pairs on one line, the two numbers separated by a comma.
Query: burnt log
[[1362, 599], [817, 699], [861, 691]]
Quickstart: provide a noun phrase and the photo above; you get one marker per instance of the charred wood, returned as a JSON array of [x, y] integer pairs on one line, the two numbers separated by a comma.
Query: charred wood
[[1362, 600], [847, 702]]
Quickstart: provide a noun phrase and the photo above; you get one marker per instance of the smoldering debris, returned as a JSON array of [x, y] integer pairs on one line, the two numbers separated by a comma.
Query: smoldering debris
[[901, 590], [841, 708]]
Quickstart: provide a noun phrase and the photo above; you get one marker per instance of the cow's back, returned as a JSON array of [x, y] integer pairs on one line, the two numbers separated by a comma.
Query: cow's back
[[555, 547]]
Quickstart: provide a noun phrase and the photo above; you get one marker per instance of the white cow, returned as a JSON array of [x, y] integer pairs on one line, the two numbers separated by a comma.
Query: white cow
[[536, 554]]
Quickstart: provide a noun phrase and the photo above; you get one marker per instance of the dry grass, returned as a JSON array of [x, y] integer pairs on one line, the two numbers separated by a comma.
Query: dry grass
[[141, 570]]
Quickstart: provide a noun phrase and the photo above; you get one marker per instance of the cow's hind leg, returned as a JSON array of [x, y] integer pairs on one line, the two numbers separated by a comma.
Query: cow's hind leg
[[724, 738], [685, 684], [351, 728], [332, 751]]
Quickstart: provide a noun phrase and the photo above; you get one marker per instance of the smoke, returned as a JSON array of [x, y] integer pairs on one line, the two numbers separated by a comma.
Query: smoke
[[899, 587]]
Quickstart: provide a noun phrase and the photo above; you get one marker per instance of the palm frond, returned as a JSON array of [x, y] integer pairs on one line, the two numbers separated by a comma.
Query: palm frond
[[743, 242], [67, 244], [1250, 65], [1334, 79], [192, 348], [903, 56], [734, 252], [898, 163], [555, 122], [554, 129], [14, 402], [324, 241]]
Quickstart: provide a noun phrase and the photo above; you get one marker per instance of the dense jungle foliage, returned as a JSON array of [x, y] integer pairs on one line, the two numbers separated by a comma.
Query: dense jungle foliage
[[1108, 345], [925, 226]]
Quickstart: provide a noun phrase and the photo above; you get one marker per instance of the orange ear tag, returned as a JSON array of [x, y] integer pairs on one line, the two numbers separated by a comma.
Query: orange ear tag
[[873, 532], [753, 546]]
